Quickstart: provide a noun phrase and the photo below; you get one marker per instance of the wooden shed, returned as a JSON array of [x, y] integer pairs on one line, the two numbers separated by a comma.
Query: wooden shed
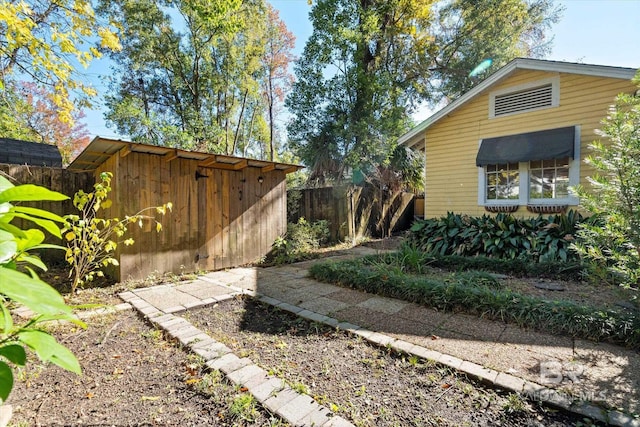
[[227, 211]]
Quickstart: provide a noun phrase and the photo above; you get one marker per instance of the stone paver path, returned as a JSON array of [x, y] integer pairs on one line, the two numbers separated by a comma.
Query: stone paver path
[[574, 374]]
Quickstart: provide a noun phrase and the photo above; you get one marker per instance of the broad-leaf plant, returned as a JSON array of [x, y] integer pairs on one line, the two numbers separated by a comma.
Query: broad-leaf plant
[[20, 284]]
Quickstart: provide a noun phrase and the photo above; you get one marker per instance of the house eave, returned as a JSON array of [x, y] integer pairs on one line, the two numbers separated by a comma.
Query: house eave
[[413, 137]]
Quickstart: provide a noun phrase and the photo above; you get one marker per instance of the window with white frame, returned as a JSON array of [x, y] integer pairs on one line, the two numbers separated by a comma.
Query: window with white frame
[[549, 179], [532, 168], [503, 181]]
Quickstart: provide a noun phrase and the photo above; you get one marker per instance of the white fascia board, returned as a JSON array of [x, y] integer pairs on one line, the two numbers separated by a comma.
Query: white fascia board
[[413, 137]]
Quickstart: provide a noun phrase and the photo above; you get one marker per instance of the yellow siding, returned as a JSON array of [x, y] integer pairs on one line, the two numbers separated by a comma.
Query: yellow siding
[[452, 142]]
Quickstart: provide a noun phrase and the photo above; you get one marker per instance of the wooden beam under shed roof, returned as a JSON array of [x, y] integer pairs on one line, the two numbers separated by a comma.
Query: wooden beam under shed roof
[[208, 162], [171, 155], [226, 166], [218, 165], [241, 164], [291, 169], [268, 168], [125, 151]]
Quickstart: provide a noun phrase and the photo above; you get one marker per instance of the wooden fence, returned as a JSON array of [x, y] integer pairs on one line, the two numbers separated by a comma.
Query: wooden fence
[[354, 211], [56, 179]]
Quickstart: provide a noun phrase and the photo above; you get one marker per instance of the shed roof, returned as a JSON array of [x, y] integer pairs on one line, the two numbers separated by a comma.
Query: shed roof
[[17, 152], [416, 135], [101, 149]]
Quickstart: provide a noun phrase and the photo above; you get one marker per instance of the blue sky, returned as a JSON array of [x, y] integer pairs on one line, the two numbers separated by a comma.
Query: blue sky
[[603, 32]]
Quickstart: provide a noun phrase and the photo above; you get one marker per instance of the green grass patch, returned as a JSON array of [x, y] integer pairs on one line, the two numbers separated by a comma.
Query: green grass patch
[[477, 293], [414, 260]]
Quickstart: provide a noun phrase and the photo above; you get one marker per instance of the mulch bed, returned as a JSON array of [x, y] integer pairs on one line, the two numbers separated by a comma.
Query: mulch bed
[[131, 376], [368, 385]]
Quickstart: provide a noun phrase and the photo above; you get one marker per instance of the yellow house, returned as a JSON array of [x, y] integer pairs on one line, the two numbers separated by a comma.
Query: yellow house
[[516, 142]]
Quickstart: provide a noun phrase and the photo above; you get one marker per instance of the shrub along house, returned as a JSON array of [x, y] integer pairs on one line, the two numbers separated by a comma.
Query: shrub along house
[[227, 211], [516, 142]]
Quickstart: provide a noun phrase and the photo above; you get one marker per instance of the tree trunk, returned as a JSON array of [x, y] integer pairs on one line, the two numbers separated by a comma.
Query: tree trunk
[[253, 115], [235, 137], [270, 102]]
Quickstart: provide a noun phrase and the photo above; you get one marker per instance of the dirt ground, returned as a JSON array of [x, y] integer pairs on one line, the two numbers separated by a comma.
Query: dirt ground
[[368, 385], [133, 376]]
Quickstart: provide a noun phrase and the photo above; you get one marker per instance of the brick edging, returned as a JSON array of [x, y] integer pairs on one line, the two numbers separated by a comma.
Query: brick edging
[[216, 358], [296, 408], [491, 377]]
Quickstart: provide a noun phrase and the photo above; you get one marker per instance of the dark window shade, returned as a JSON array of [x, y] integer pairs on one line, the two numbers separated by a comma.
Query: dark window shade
[[524, 147]]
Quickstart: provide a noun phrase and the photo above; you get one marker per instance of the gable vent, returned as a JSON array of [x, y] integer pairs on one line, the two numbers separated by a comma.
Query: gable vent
[[525, 100]]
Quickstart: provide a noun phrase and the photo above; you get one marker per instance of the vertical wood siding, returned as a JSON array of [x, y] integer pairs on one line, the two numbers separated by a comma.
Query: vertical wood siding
[[223, 219], [56, 179], [452, 142]]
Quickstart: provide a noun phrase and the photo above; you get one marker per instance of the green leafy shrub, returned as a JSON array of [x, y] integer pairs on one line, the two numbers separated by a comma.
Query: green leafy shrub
[[477, 278], [413, 260], [20, 284], [92, 241], [539, 239], [612, 245], [564, 317], [301, 240]]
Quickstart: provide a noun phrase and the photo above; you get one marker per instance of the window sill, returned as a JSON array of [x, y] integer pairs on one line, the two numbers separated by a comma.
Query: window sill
[[547, 209], [501, 208]]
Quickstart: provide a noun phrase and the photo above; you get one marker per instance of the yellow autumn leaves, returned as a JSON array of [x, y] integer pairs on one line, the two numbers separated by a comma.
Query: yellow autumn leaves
[[44, 40]]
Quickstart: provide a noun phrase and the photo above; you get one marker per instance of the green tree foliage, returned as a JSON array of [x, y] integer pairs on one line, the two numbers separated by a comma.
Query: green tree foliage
[[277, 79], [190, 74], [40, 41], [92, 241], [612, 242], [370, 63], [163, 75], [19, 284], [14, 109]]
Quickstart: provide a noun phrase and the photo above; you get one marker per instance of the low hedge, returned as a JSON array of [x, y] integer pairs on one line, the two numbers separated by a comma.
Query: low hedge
[[414, 260], [561, 317], [513, 267]]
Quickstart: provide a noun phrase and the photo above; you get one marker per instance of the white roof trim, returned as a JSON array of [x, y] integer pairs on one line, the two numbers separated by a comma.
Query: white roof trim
[[415, 135]]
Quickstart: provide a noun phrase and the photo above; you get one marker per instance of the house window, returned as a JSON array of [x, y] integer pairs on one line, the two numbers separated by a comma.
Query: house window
[[524, 98], [503, 181], [549, 179], [534, 168]]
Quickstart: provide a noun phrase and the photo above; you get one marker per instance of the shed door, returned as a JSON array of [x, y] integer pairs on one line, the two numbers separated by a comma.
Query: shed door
[[221, 203], [203, 254]]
